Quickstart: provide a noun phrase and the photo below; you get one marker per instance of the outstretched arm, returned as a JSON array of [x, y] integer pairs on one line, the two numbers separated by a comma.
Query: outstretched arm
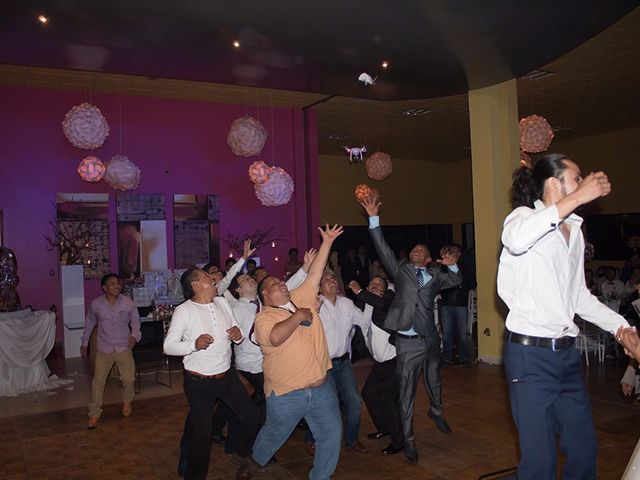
[[329, 234], [247, 251], [387, 257]]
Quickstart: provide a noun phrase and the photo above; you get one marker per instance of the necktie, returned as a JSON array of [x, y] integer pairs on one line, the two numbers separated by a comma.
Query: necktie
[[256, 302], [420, 275]]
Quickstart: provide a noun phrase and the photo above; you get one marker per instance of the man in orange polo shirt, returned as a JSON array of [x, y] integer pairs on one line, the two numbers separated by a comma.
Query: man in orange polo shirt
[[295, 364]]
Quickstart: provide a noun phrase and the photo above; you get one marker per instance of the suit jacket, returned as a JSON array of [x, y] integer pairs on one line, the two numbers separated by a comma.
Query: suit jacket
[[412, 305]]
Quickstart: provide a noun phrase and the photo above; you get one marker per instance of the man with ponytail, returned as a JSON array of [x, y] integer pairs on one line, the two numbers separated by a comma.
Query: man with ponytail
[[541, 280]]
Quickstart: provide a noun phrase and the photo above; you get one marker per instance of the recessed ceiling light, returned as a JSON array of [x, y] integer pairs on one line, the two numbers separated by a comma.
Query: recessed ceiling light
[[416, 112], [236, 43], [43, 19], [537, 74], [385, 64]]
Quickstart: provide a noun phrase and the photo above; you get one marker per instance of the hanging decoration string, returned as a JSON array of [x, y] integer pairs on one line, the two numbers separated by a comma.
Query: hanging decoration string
[[120, 114], [273, 133]]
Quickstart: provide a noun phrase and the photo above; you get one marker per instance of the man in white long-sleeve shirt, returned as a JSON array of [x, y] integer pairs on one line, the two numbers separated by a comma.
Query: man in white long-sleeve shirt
[[202, 329], [339, 316], [541, 279]]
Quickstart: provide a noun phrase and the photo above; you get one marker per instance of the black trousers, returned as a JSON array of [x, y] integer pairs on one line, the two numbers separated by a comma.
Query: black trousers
[[415, 355], [381, 396], [256, 380], [202, 394]]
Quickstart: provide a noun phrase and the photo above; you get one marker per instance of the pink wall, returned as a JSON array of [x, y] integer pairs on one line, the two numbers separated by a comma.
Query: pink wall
[[180, 147]]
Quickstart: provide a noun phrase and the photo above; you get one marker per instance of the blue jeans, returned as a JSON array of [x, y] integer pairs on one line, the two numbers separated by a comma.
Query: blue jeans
[[319, 407], [548, 397], [454, 324], [346, 386]]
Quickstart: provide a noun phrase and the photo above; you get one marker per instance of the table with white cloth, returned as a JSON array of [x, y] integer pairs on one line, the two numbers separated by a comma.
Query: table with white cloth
[[26, 338]]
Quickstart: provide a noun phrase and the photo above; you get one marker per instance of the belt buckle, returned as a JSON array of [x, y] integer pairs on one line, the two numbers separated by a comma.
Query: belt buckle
[[554, 343]]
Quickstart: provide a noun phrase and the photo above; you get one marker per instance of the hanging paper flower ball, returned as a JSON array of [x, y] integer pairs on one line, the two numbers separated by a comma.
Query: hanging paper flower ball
[[91, 169], [85, 126], [122, 174], [259, 172], [277, 190], [246, 137], [364, 191], [378, 165], [525, 159], [535, 134]]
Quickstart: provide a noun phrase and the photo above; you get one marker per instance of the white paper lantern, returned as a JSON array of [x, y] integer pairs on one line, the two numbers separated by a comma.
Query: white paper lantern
[[535, 134], [379, 165], [277, 190], [259, 172], [85, 126], [122, 174], [246, 137], [91, 169]]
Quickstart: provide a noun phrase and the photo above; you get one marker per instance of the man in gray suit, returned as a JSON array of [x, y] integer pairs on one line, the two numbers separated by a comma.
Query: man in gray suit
[[411, 316]]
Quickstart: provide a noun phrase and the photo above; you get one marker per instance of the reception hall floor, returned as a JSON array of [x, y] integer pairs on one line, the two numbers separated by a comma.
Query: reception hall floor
[[43, 434]]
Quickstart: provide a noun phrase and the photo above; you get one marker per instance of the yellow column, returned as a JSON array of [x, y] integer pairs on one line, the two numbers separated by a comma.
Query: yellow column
[[493, 118]]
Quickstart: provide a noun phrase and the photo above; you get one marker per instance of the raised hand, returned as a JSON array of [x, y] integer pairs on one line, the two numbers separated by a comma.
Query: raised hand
[[371, 206], [247, 251], [309, 256], [354, 286], [329, 234], [203, 341], [594, 185], [450, 255]]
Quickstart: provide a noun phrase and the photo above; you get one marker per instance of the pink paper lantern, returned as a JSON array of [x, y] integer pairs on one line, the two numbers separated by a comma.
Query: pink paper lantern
[[277, 190], [246, 137], [85, 126], [91, 169], [259, 172], [122, 174], [379, 165], [535, 134]]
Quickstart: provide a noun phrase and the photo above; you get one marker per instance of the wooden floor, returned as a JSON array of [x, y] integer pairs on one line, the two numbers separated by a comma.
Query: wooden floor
[[56, 445]]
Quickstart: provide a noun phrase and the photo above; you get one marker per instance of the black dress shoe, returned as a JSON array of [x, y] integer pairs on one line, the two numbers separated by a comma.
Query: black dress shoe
[[411, 452], [218, 438], [377, 435], [391, 450], [441, 423]]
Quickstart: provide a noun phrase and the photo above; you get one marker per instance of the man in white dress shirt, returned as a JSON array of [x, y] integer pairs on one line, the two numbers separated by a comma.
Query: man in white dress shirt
[[202, 329], [541, 280], [339, 316]]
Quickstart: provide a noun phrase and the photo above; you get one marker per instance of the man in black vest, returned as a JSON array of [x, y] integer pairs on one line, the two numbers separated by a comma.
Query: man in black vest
[[411, 317]]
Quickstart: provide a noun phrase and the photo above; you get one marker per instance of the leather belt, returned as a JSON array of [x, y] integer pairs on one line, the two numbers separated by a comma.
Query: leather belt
[[410, 337], [554, 344], [217, 376], [342, 358]]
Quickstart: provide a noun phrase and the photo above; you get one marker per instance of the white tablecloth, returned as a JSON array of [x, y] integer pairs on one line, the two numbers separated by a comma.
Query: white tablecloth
[[26, 338]]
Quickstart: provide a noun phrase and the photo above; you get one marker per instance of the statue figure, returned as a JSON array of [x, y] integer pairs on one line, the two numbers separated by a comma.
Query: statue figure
[[9, 280]]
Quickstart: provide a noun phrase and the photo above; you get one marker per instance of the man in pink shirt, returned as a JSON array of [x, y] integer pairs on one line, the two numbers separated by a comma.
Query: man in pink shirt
[[118, 326]]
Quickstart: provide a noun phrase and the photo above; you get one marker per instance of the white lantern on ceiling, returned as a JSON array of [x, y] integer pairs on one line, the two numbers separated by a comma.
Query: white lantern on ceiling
[[122, 174], [85, 126]]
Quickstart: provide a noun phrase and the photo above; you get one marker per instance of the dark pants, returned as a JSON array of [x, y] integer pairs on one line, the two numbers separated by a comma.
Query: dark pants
[[257, 382], [454, 325], [548, 398], [382, 398], [202, 394], [414, 355]]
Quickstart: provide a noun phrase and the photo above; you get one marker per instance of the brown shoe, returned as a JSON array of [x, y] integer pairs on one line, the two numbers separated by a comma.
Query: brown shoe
[[247, 465], [93, 423], [126, 409], [357, 447]]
